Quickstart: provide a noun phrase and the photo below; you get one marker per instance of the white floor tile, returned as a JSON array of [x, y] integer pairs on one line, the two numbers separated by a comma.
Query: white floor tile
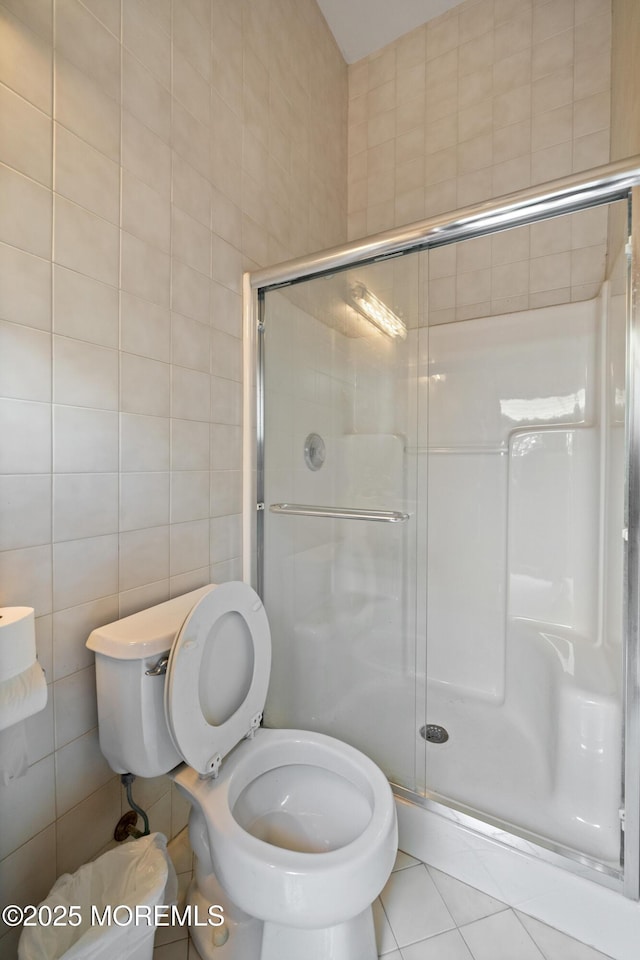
[[465, 903], [180, 852], [500, 937], [166, 935], [172, 951], [396, 955], [446, 946], [384, 935], [193, 953], [184, 882], [414, 907], [556, 945], [404, 860]]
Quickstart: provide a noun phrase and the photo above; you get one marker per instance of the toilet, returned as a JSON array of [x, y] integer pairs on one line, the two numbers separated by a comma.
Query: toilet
[[294, 832]]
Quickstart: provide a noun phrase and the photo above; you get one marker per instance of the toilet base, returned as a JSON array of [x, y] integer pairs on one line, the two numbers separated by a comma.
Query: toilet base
[[244, 933], [251, 939], [353, 940]]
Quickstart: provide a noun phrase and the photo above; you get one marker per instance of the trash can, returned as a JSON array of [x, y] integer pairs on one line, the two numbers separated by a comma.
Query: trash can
[[131, 878]]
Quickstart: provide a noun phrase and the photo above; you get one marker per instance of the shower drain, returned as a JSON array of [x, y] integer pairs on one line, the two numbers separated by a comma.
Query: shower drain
[[434, 733]]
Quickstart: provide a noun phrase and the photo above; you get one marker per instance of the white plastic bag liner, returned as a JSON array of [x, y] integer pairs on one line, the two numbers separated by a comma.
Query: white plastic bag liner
[[139, 872]]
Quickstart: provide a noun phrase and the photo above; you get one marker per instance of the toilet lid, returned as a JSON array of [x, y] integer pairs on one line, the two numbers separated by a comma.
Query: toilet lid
[[218, 674]]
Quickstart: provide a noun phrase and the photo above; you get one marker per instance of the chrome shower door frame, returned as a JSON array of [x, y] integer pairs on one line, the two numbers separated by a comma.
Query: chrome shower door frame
[[631, 786], [605, 184]]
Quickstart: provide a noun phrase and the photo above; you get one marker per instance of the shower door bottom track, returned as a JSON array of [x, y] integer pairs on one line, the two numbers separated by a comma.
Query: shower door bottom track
[[506, 834]]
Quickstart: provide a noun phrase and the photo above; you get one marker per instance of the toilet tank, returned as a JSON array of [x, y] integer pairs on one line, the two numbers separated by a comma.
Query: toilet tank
[[134, 735]]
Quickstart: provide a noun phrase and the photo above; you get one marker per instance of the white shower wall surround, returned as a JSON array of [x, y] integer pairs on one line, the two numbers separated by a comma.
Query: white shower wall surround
[[519, 668], [515, 414], [508, 397]]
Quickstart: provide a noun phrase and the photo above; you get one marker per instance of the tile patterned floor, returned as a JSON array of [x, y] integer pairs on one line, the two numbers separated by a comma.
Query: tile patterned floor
[[423, 914]]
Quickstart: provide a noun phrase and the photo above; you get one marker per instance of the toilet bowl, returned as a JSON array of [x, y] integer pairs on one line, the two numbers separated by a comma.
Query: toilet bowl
[[294, 832]]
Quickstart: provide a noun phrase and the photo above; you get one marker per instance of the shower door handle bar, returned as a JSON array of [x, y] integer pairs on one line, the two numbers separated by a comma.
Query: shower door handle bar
[[339, 513]]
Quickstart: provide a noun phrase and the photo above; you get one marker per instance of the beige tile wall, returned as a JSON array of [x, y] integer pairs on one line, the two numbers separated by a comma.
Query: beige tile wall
[[144, 163], [491, 97], [625, 79]]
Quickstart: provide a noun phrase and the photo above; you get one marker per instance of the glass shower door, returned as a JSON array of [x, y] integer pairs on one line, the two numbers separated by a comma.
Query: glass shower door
[[446, 492], [339, 580], [523, 479]]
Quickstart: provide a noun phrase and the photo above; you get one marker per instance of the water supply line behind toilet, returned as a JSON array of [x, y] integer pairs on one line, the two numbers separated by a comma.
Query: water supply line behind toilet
[[127, 824]]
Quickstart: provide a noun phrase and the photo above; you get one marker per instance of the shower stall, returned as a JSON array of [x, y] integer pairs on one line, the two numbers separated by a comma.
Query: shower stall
[[442, 438]]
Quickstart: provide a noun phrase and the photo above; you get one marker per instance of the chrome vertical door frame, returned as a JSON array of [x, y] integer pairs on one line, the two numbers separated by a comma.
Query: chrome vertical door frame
[[253, 430], [631, 845], [615, 181]]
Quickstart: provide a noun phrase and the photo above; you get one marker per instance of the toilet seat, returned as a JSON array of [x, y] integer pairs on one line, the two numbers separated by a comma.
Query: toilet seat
[[218, 675]]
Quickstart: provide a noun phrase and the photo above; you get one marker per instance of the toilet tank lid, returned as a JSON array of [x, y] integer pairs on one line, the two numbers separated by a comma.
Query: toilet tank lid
[[147, 633]]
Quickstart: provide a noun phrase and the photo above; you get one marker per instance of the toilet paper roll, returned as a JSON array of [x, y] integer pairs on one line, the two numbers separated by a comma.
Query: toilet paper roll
[[17, 641], [22, 696], [13, 753]]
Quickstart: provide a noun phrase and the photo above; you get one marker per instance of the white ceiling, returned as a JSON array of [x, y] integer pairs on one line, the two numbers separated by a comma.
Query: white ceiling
[[362, 26]]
